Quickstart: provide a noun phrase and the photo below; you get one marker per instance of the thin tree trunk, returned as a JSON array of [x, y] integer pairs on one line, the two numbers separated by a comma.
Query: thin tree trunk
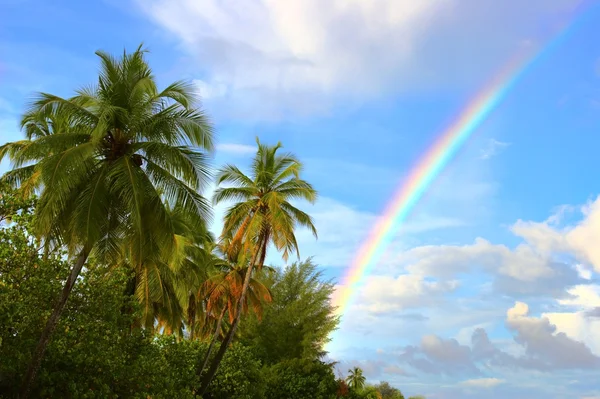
[[191, 313], [127, 308], [229, 337], [38, 355], [213, 341]]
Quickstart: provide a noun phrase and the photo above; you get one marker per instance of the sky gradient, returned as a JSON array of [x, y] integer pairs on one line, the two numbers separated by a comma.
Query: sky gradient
[[490, 288]]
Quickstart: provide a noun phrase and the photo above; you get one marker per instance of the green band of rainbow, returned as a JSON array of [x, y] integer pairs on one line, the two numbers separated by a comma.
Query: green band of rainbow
[[429, 167]]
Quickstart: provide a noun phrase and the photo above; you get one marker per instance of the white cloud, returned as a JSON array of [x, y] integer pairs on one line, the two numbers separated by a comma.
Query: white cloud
[[583, 271], [293, 56], [544, 345], [209, 91], [384, 294], [522, 271], [493, 147], [543, 349], [578, 324], [541, 264], [483, 382], [583, 297], [580, 240]]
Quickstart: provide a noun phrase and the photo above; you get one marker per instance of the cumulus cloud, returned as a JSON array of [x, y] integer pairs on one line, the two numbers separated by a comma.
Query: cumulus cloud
[[521, 271], [522, 263], [543, 349], [294, 56], [436, 355], [550, 260], [582, 321], [579, 240], [385, 294]]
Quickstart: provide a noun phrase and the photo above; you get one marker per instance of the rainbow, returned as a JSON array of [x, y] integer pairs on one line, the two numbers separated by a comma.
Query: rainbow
[[429, 167]]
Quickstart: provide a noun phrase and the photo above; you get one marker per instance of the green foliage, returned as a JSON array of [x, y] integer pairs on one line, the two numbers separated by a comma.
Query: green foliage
[[369, 392], [299, 320], [356, 380], [13, 205], [91, 339], [94, 353], [387, 391], [239, 376], [299, 379], [264, 213]]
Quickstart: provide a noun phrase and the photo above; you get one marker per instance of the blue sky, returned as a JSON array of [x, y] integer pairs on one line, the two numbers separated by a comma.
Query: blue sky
[[488, 289]]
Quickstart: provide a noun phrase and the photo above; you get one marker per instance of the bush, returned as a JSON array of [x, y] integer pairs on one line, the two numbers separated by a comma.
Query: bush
[[299, 379]]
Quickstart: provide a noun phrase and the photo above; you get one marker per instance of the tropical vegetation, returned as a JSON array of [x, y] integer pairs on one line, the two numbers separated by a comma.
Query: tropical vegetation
[[111, 282]]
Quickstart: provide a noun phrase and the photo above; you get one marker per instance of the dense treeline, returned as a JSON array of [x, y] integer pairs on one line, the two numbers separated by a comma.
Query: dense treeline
[[112, 286], [95, 352]]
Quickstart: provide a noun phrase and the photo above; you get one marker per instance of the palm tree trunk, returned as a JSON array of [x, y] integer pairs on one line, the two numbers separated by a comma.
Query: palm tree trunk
[[213, 341], [38, 355], [191, 313], [229, 337]]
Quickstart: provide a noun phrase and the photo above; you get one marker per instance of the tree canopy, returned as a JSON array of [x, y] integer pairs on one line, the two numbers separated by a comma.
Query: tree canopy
[[299, 321]]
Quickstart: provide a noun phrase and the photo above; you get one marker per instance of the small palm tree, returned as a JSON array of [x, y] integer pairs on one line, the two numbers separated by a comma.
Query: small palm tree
[[106, 163], [356, 380], [222, 292], [262, 216], [163, 286]]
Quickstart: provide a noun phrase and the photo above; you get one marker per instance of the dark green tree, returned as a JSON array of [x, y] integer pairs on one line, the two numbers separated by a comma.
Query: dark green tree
[[388, 392], [299, 321], [300, 379], [92, 352]]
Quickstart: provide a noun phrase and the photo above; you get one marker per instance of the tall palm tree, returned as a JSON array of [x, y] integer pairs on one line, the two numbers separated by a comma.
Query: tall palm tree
[[356, 380], [262, 216], [121, 151]]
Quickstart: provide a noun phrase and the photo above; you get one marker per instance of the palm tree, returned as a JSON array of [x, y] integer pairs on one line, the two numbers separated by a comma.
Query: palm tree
[[163, 286], [263, 216], [106, 163], [222, 292], [356, 380]]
